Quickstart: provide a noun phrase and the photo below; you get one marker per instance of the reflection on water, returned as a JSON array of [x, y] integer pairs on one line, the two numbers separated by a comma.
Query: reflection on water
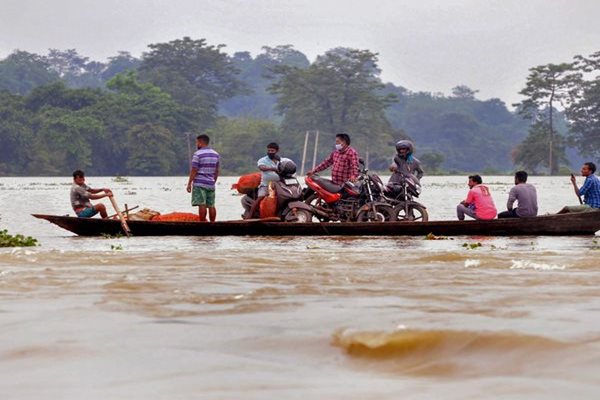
[[184, 317]]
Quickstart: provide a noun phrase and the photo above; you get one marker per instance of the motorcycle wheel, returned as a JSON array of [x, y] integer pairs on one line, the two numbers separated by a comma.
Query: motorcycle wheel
[[416, 213], [314, 200], [300, 216], [384, 213]]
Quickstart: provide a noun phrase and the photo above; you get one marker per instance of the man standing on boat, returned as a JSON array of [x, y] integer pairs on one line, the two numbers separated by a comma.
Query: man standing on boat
[[203, 177], [268, 171], [344, 161], [81, 195], [479, 203], [590, 190], [526, 196]]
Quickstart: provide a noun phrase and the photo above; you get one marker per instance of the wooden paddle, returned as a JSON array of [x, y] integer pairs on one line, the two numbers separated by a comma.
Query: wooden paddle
[[126, 211], [123, 222], [578, 196]]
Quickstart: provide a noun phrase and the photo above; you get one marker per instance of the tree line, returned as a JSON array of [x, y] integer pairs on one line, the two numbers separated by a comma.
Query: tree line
[[130, 116]]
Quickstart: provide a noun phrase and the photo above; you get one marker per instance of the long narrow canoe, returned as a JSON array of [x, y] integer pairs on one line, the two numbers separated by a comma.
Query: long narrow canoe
[[555, 225]]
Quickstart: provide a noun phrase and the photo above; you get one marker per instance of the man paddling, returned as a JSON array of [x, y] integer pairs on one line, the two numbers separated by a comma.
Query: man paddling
[[590, 190], [81, 195]]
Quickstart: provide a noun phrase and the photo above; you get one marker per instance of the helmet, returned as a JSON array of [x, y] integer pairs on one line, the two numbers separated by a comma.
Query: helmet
[[286, 167], [405, 144]]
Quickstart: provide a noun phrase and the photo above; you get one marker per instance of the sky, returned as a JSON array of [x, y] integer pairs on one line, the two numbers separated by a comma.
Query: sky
[[423, 45]]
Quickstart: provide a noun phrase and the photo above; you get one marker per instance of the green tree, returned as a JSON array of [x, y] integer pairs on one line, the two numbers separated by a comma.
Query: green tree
[[340, 92], [16, 134], [21, 71], [63, 138], [130, 103], [242, 141], [531, 154], [151, 150], [193, 73], [464, 92], [121, 63], [584, 113], [256, 74], [548, 86], [431, 161]]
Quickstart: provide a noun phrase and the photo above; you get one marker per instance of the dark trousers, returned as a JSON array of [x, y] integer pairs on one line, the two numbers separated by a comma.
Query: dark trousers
[[509, 214]]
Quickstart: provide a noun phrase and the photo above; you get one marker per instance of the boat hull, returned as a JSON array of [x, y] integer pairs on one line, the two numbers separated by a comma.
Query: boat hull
[[551, 225]]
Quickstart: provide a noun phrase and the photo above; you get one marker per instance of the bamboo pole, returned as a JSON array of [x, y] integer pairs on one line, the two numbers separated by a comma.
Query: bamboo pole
[[304, 154], [314, 163], [121, 218]]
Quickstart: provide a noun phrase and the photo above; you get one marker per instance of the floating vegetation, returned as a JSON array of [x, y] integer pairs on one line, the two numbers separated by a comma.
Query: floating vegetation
[[120, 179], [7, 240], [109, 236], [431, 236], [472, 246]]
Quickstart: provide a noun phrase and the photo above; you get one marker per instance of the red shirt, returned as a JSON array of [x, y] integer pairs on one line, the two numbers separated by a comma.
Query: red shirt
[[345, 165], [481, 198]]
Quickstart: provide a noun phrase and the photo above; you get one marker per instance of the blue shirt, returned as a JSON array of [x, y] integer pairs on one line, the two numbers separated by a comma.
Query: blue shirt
[[591, 191], [206, 161]]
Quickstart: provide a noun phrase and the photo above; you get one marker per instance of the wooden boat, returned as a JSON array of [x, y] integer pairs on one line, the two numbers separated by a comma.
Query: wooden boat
[[557, 224]]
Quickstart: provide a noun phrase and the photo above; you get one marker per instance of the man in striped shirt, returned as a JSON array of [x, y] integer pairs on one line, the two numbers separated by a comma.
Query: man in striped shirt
[[344, 161], [203, 177]]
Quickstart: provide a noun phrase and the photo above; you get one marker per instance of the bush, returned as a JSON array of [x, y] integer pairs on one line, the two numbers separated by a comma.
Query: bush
[[7, 240]]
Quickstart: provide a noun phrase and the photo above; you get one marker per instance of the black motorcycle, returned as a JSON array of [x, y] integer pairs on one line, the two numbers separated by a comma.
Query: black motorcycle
[[348, 202], [289, 194], [401, 195]]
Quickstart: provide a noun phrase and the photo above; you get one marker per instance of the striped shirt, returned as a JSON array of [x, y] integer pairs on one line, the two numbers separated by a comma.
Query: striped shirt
[[345, 165], [206, 162], [591, 191]]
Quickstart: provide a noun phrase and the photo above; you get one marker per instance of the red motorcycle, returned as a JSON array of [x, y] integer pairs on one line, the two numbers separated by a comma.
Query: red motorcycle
[[347, 202]]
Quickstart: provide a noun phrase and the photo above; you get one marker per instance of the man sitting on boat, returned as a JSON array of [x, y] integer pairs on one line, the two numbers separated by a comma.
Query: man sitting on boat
[[479, 203], [590, 190], [404, 163], [525, 195], [81, 195]]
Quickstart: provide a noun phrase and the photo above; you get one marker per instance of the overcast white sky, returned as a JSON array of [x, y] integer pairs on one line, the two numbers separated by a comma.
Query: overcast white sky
[[430, 45]]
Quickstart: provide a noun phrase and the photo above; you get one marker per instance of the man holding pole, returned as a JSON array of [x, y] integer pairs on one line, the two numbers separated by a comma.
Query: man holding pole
[[81, 195], [590, 190], [203, 177]]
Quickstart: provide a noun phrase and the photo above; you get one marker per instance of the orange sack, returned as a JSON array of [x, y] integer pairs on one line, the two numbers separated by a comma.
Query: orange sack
[[247, 183], [178, 216], [268, 207]]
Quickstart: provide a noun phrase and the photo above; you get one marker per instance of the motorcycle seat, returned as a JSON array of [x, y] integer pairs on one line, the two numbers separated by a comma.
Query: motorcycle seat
[[327, 184]]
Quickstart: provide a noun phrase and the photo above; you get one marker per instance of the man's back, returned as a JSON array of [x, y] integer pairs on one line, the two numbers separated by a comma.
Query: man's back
[[206, 161], [526, 195], [481, 198]]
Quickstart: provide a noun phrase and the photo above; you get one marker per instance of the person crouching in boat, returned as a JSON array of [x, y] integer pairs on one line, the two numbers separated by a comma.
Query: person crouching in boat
[[479, 203], [81, 195], [590, 190], [525, 195]]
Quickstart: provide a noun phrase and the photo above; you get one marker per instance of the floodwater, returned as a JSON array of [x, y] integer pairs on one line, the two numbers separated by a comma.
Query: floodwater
[[293, 318]]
